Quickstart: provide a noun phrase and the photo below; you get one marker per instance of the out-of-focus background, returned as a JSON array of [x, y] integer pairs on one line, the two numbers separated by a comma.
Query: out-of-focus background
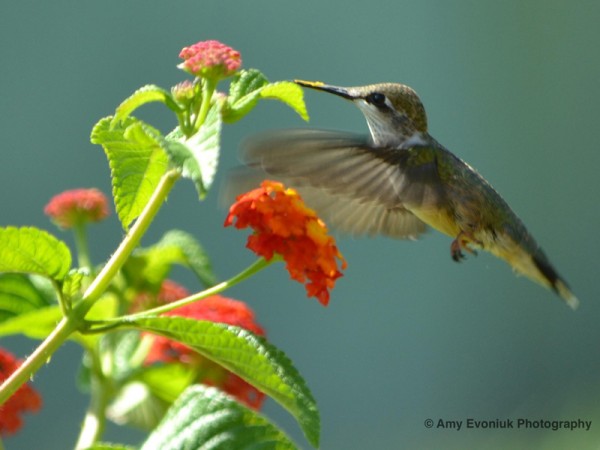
[[511, 87]]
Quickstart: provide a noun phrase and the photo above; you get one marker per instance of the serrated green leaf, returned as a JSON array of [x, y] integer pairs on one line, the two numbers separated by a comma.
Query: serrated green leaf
[[243, 94], [194, 257], [289, 93], [246, 82], [145, 94], [19, 295], [137, 162], [204, 417], [32, 250], [249, 356], [250, 86], [198, 156], [36, 324]]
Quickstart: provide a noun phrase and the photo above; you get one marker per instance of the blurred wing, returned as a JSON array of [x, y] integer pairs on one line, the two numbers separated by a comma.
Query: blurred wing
[[359, 217], [357, 188]]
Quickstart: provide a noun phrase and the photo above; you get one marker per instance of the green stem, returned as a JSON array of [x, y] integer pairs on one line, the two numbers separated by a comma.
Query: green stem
[[208, 89], [81, 244], [39, 357], [95, 417], [74, 321], [108, 272], [255, 267]]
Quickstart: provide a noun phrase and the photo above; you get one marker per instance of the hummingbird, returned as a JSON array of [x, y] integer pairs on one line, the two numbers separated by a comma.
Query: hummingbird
[[398, 181]]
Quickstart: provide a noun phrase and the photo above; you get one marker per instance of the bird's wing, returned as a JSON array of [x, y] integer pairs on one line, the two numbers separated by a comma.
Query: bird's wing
[[357, 188]]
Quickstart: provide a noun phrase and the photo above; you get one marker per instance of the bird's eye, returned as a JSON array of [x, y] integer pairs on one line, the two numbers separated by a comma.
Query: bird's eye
[[376, 98]]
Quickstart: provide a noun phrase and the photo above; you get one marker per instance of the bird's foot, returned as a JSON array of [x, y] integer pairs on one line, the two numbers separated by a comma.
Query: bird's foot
[[461, 243]]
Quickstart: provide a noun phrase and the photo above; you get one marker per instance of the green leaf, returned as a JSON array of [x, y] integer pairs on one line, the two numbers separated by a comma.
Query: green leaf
[[137, 162], [289, 93], [168, 381], [117, 351], [245, 83], [39, 323], [247, 355], [135, 405], [110, 446], [147, 268], [107, 306], [19, 294], [250, 86], [72, 283], [145, 94], [198, 156], [204, 417], [36, 324], [193, 256], [146, 392], [32, 250], [243, 94]]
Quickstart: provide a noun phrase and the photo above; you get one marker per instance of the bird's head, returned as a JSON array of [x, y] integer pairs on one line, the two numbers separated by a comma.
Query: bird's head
[[393, 111]]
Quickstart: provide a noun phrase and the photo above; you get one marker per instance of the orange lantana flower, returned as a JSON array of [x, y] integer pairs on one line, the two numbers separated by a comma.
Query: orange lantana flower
[[285, 226]]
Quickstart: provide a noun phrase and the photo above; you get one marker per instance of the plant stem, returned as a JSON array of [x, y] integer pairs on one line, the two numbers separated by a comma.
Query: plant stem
[[37, 359], [255, 267], [208, 89], [108, 272], [81, 244], [95, 417], [73, 322]]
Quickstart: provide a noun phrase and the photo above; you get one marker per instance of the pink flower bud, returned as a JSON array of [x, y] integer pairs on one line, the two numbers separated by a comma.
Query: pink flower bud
[[210, 59]]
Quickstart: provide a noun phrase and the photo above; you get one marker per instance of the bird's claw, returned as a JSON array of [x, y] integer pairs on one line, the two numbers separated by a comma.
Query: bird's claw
[[457, 255], [459, 244]]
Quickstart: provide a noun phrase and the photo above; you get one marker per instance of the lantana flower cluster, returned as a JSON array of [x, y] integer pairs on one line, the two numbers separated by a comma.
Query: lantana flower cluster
[[77, 206], [285, 226], [210, 59], [26, 399]]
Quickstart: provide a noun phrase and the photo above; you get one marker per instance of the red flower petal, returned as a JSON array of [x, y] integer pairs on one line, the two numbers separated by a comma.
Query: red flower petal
[[25, 399], [284, 225], [77, 206]]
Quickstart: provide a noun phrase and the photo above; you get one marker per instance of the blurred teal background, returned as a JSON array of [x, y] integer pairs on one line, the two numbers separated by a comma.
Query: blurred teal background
[[512, 87]]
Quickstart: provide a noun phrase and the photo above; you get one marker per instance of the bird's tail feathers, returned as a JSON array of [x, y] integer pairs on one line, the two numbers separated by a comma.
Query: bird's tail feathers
[[554, 280], [536, 267]]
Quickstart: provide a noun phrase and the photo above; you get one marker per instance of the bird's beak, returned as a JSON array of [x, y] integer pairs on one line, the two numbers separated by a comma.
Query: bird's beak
[[342, 92]]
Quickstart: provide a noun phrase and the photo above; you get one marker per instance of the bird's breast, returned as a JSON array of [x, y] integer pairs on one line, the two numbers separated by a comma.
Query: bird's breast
[[438, 218]]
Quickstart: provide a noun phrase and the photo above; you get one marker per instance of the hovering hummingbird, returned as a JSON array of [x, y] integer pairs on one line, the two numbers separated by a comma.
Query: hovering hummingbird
[[398, 181]]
